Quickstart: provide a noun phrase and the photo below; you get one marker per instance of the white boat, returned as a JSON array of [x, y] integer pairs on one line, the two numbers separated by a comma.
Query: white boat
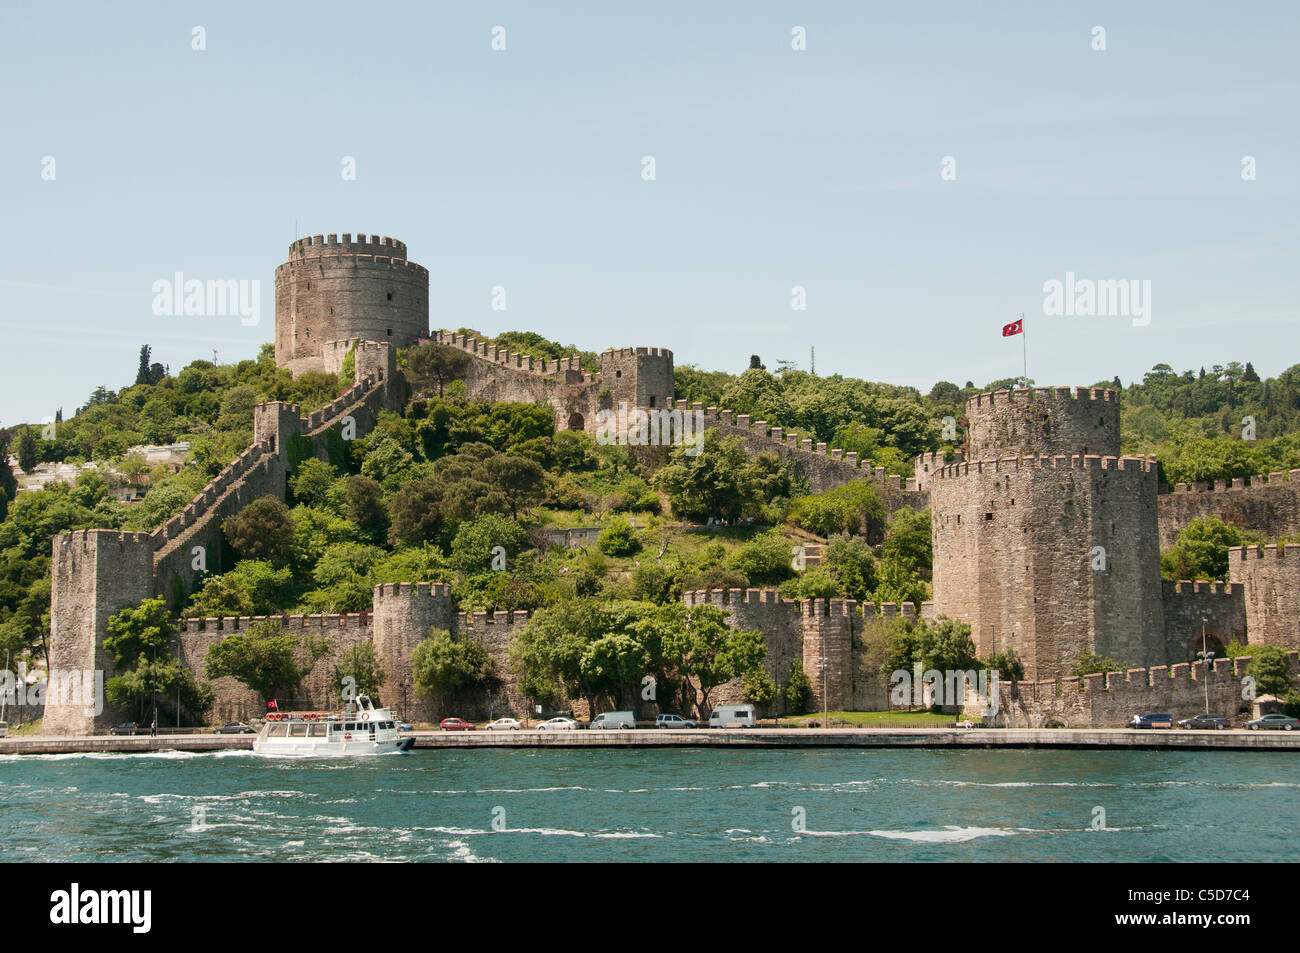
[[361, 729]]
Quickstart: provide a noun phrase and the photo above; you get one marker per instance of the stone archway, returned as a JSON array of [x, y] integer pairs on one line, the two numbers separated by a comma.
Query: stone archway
[[1213, 643], [577, 421]]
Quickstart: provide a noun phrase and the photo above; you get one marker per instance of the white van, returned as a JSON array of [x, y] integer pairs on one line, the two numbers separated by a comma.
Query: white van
[[614, 719], [732, 716]]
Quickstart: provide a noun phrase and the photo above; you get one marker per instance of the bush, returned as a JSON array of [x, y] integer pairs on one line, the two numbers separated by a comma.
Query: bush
[[618, 538]]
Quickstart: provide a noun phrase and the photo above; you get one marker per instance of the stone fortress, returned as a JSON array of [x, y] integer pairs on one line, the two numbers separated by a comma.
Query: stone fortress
[[1046, 539]]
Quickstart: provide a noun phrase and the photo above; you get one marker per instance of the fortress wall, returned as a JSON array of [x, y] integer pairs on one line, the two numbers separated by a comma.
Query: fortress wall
[[331, 290], [497, 630], [1044, 421], [805, 631], [1186, 604], [319, 691], [1111, 700], [496, 374], [823, 468], [1014, 546], [1268, 504], [1270, 577]]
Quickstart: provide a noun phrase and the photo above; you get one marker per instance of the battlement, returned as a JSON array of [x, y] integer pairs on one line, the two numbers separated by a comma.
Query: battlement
[[336, 408], [806, 608], [1270, 551], [792, 442], [437, 590], [94, 537], [469, 621], [512, 360], [1188, 676], [1184, 587], [312, 246], [1275, 478], [1026, 395], [610, 353], [1097, 462], [230, 624]]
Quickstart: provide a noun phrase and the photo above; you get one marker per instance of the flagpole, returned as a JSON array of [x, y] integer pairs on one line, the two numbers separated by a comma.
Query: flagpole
[[1024, 347]]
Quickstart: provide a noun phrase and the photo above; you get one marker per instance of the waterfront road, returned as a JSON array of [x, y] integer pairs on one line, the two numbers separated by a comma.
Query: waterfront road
[[1230, 740]]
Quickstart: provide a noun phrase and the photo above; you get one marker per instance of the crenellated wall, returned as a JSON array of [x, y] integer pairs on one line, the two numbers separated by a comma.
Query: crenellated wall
[[823, 468], [1269, 504], [808, 630], [1043, 421], [1218, 608], [1111, 700], [1270, 578]]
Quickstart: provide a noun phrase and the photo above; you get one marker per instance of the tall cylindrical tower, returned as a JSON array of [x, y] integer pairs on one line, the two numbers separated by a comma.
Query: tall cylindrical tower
[[333, 290]]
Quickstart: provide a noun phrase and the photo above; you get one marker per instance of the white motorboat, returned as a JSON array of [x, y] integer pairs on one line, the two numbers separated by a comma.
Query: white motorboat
[[360, 729]]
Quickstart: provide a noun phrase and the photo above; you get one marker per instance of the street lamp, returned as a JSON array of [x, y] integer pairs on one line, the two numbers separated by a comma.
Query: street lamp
[[1206, 656]]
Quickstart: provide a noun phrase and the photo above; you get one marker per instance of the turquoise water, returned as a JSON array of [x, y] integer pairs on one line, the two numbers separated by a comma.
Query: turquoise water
[[654, 805]]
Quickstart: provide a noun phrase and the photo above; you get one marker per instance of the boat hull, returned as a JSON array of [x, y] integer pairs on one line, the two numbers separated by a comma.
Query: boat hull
[[320, 748]]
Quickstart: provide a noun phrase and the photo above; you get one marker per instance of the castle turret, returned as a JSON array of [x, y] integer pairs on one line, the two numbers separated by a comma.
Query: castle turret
[[1043, 421], [333, 290]]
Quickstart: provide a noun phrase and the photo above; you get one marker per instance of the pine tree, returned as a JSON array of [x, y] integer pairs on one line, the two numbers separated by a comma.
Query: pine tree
[[142, 374]]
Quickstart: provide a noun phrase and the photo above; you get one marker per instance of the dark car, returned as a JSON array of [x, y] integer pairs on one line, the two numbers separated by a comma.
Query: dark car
[[1274, 722], [234, 728], [1152, 720], [128, 728], [1206, 722], [455, 724]]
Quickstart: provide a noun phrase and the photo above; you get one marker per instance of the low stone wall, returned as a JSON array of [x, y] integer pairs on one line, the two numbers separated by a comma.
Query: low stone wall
[[1111, 700]]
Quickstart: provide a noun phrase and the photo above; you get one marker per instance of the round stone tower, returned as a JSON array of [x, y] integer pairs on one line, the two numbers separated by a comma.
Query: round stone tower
[[332, 292], [1043, 420]]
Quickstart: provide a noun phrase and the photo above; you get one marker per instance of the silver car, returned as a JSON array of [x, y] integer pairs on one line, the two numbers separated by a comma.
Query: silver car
[[558, 724]]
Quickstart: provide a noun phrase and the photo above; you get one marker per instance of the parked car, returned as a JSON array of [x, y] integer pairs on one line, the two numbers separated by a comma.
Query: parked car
[[614, 719], [504, 724], [1205, 721], [234, 728], [455, 724], [1152, 720], [128, 728], [674, 721], [558, 724], [732, 716], [1274, 722], [403, 726]]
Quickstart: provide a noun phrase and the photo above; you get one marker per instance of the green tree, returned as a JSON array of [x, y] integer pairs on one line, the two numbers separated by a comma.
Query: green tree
[[798, 689], [446, 666], [1090, 663], [1201, 550], [262, 530], [1271, 670], [264, 658], [359, 672], [365, 501]]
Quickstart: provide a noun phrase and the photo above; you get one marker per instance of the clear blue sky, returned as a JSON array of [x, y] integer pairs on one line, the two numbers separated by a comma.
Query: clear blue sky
[[775, 168]]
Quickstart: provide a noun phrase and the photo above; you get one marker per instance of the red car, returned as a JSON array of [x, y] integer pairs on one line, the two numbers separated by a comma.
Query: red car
[[455, 724]]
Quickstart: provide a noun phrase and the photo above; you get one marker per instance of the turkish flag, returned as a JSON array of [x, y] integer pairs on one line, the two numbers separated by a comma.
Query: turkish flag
[[272, 705], [1015, 327]]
